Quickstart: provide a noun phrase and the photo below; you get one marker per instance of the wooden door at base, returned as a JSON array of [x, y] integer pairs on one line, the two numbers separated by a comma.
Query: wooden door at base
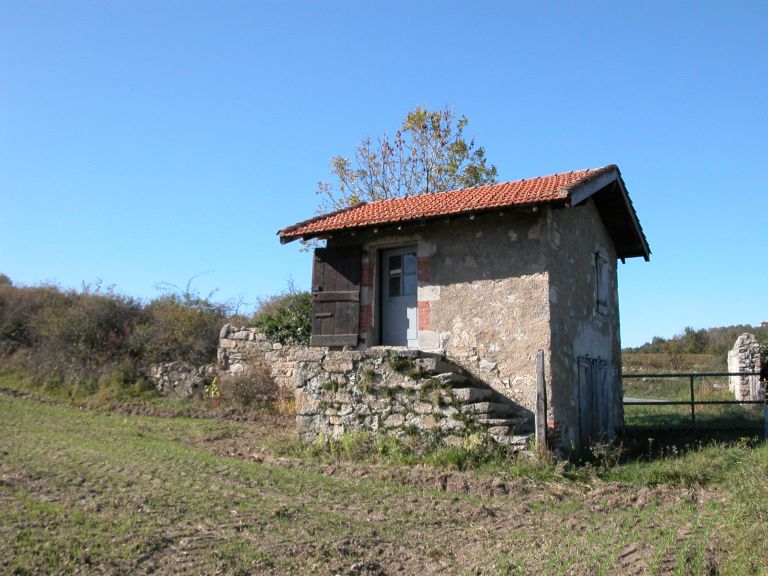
[[595, 422]]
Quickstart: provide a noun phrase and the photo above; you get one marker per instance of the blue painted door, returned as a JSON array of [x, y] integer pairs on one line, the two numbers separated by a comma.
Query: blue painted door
[[399, 310]]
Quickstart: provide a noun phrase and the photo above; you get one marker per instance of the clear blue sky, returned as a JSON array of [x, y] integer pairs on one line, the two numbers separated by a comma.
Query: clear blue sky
[[147, 142]]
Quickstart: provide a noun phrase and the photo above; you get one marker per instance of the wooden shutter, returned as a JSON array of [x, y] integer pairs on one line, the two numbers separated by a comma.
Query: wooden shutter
[[603, 284], [336, 296]]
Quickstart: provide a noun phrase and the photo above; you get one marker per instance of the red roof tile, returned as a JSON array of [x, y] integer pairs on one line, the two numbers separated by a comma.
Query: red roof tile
[[544, 189]]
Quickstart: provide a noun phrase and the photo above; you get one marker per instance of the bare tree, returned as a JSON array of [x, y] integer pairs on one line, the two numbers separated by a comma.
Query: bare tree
[[427, 154]]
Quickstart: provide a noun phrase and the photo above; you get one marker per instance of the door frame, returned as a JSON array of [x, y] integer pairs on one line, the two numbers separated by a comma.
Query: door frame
[[381, 277]]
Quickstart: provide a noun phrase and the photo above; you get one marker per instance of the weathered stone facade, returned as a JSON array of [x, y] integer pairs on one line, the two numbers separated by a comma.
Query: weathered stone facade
[[495, 262], [745, 356], [180, 379], [580, 326], [489, 276], [495, 289]]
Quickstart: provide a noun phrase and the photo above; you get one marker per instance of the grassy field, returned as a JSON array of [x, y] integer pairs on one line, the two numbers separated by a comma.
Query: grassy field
[[87, 492], [748, 418]]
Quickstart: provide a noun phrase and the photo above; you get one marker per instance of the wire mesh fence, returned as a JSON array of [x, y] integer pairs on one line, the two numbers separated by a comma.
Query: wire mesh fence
[[691, 401]]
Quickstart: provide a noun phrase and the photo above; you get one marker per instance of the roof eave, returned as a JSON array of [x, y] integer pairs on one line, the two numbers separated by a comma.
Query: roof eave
[[285, 233], [287, 238], [590, 186], [645, 249], [584, 188]]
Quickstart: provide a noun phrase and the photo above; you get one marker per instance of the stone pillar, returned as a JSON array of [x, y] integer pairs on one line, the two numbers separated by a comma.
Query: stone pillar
[[745, 357]]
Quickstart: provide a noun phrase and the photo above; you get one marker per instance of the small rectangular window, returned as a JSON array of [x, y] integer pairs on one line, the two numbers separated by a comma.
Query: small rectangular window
[[401, 274], [395, 265]]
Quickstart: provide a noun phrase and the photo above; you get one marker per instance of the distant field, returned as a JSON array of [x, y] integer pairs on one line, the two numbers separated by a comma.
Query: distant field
[[639, 362], [84, 492]]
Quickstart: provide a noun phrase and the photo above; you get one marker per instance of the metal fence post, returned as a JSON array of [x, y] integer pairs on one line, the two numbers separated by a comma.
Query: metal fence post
[[693, 404], [765, 423]]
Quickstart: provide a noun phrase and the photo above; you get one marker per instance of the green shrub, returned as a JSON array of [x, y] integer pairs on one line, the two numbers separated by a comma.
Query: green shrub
[[417, 446], [180, 326], [61, 336], [19, 310], [93, 339], [366, 384], [286, 318], [399, 363]]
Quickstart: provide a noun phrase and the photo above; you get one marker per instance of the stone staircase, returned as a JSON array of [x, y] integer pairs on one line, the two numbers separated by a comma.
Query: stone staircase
[[478, 405]]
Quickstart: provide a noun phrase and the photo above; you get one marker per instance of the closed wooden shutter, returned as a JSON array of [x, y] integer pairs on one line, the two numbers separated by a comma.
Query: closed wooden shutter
[[336, 296]]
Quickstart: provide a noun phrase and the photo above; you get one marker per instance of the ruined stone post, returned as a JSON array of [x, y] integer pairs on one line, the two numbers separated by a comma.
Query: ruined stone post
[[745, 357]]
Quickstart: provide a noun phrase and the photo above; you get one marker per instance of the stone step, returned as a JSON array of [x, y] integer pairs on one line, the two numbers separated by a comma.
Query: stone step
[[495, 408], [450, 378], [489, 420], [510, 426], [466, 395], [434, 365], [519, 441]]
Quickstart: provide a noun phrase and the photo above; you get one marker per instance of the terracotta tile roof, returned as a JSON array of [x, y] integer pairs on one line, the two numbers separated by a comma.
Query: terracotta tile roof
[[544, 189]]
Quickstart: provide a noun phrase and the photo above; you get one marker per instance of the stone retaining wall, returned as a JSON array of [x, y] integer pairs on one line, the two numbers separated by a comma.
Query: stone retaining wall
[[241, 348], [396, 391], [393, 390], [180, 379]]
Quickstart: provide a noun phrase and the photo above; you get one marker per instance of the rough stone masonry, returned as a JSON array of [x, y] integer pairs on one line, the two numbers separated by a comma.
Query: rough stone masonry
[[400, 392], [746, 357], [381, 389]]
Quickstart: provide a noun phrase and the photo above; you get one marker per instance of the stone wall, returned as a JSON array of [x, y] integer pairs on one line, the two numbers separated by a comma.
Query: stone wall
[[241, 348], [483, 298], [745, 356], [580, 328], [382, 389], [180, 379], [399, 391]]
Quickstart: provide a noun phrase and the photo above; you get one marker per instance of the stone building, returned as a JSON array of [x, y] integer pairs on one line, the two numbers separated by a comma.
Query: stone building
[[487, 276]]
